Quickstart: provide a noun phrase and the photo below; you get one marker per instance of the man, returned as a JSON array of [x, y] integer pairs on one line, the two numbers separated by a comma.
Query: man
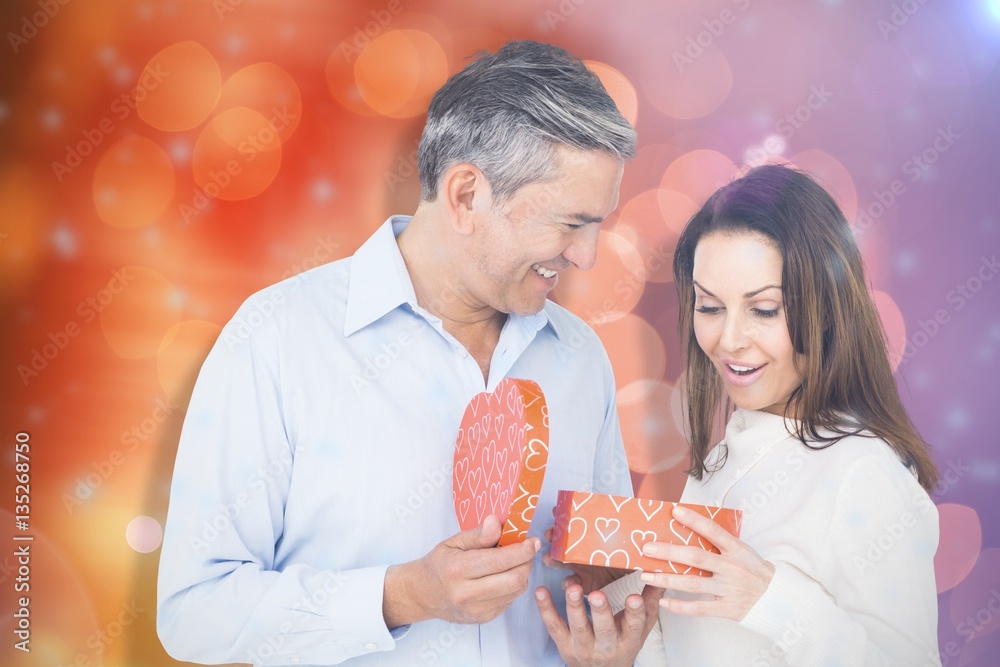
[[311, 517]]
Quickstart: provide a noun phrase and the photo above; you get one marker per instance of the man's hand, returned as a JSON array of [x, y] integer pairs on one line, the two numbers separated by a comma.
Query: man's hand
[[590, 577], [465, 579], [610, 640]]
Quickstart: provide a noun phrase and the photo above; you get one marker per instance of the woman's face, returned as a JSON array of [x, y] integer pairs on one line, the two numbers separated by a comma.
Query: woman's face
[[739, 319]]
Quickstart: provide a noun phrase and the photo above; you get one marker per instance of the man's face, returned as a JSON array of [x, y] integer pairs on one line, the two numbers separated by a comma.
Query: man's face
[[542, 229]]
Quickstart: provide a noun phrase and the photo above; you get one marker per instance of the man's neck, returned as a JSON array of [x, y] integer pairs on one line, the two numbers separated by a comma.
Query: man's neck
[[429, 262]]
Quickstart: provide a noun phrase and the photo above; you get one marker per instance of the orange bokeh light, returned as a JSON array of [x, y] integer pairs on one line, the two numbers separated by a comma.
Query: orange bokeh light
[[833, 176], [653, 442], [399, 72], [634, 347], [22, 242], [179, 87], [270, 91], [133, 183], [959, 544], [237, 155], [340, 78], [619, 88], [182, 351], [648, 221], [613, 286], [692, 90], [698, 174], [667, 485], [135, 319]]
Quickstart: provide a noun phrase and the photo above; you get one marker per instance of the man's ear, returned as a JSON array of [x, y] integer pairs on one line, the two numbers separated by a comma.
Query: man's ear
[[465, 193]]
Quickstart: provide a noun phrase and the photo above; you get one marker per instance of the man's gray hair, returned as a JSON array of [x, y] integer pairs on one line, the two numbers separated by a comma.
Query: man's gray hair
[[506, 112]]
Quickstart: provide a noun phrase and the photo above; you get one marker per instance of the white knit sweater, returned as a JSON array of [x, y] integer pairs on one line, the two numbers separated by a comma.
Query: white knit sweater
[[852, 536]]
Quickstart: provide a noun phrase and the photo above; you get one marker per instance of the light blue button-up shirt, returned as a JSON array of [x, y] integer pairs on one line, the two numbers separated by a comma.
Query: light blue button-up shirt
[[317, 451]]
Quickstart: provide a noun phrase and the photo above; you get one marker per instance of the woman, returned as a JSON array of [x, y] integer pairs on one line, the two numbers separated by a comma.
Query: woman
[[834, 565]]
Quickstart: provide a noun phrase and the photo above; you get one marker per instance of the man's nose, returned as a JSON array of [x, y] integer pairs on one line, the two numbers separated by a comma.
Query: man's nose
[[582, 250]]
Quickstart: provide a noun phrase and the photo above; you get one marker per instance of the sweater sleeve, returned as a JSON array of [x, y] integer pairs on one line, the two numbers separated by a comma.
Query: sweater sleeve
[[879, 607]]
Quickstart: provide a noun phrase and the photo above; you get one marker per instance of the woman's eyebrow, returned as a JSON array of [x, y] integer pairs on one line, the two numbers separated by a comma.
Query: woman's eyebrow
[[748, 295]]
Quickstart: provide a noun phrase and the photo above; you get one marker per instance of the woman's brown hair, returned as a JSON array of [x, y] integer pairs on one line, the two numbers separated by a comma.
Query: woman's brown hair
[[847, 386]]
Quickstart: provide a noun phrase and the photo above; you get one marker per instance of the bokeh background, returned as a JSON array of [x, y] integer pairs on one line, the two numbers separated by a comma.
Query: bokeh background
[[162, 160]]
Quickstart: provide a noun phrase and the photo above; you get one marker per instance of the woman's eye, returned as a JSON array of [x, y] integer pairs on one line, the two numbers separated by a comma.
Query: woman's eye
[[707, 310], [765, 313]]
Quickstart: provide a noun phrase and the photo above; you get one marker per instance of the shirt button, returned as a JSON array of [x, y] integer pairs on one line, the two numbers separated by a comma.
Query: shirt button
[[760, 449], [294, 659], [736, 475], [371, 646]]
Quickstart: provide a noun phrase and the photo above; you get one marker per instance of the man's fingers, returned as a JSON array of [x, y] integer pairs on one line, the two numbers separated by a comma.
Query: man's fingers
[[634, 625], [605, 628], [485, 562], [480, 537], [550, 617], [576, 616]]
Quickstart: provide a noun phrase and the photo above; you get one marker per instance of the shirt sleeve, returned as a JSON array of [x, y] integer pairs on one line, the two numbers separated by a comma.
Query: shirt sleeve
[[879, 553], [221, 598]]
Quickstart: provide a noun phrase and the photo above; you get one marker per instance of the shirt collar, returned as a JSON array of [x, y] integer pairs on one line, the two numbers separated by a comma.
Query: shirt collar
[[380, 283]]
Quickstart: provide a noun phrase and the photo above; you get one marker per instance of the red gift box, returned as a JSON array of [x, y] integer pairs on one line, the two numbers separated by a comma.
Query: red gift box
[[599, 529], [500, 456]]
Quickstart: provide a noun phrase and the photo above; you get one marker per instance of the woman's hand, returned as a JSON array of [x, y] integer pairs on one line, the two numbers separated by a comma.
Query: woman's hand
[[739, 576], [610, 640]]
